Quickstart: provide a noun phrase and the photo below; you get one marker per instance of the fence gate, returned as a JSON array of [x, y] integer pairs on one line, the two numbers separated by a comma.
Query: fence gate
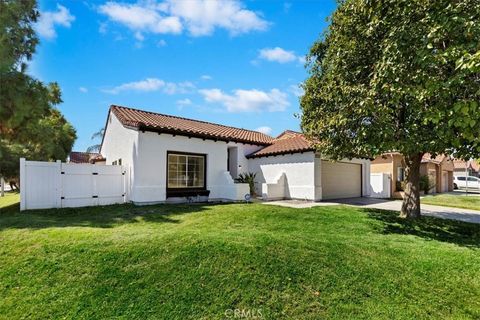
[[59, 185], [380, 185]]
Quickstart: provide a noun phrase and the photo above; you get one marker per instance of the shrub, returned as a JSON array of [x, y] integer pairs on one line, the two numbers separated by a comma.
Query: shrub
[[426, 184], [248, 177]]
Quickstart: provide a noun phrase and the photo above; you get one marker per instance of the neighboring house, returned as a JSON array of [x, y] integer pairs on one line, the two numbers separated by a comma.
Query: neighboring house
[[85, 157], [438, 169], [472, 168], [170, 158]]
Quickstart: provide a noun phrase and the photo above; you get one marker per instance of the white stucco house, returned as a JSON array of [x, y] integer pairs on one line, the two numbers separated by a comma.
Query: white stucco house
[[169, 158]]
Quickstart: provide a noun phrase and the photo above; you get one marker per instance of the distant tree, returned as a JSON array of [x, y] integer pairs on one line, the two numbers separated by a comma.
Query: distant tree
[[97, 136], [396, 75], [30, 125]]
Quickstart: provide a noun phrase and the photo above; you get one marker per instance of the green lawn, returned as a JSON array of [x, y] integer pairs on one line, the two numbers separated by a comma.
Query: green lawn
[[450, 200], [10, 199], [197, 261]]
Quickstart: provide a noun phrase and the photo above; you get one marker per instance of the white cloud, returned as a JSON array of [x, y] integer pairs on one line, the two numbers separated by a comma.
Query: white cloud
[[161, 43], [279, 55], [83, 89], [248, 100], [141, 18], [265, 130], [153, 84], [182, 87], [184, 102], [49, 19], [296, 90], [139, 36], [198, 17], [206, 77], [201, 17], [102, 28]]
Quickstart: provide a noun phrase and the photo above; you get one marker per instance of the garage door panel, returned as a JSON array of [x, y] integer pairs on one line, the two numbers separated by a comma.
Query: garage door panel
[[341, 180]]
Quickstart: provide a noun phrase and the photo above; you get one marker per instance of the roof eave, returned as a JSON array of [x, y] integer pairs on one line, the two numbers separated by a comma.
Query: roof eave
[[142, 127], [272, 154]]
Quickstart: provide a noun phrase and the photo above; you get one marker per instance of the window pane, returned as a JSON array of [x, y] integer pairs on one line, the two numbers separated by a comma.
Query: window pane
[[186, 171], [400, 174], [172, 158]]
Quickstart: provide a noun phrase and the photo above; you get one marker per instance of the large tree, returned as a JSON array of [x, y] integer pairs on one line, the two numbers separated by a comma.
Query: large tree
[[30, 125], [396, 75]]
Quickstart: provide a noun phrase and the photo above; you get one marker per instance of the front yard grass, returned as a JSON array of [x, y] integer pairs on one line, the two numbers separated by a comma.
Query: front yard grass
[[10, 199], [197, 261], [452, 200]]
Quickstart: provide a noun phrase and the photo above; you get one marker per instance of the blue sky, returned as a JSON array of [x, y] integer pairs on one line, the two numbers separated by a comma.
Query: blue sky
[[237, 63]]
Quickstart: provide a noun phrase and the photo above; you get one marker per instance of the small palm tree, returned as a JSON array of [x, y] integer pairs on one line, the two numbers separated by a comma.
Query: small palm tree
[[97, 135], [248, 177]]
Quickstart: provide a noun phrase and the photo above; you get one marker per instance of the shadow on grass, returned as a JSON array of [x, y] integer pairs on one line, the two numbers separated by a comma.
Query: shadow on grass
[[429, 228], [96, 217]]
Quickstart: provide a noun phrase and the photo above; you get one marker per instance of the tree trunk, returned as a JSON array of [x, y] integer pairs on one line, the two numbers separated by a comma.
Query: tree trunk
[[411, 199]]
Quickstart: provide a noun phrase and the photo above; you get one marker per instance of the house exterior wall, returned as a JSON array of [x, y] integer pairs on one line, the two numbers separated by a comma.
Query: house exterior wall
[[391, 162], [300, 173], [298, 168], [120, 143], [446, 165], [389, 165], [150, 183], [425, 169], [382, 165], [239, 159], [144, 155]]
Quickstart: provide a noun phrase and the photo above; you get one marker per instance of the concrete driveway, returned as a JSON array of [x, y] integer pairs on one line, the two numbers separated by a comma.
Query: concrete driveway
[[466, 215]]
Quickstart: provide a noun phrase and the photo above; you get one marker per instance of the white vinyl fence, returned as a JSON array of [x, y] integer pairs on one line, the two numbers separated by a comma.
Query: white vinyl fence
[[380, 185], [58, 185]]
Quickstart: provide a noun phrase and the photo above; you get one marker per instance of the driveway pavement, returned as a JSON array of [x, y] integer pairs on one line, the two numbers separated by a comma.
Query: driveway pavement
[[466, 215]]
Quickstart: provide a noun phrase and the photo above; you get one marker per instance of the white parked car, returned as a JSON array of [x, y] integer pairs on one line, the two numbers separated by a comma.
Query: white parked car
[[461, 182]]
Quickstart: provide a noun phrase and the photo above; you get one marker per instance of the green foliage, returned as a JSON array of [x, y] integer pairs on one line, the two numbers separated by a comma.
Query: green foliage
[[396, 75], [30, 126], [425, 184], [97, 135], [248, 177], [18, 39], [400, 185]]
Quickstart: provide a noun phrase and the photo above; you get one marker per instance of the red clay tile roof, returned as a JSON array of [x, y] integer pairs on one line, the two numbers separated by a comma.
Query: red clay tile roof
[[145, 120], [475, 165], [85, 157], [461, 164], [288, 134], [427, 157], [296, 143]]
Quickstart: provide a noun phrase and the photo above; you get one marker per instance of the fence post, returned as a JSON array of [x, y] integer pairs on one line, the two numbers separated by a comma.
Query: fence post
[[58, 184], [124, 182], [23, 185], [2, 186]]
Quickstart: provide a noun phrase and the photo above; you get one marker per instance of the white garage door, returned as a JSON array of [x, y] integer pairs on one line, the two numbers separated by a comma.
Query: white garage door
[[444, 181], [341, 180]]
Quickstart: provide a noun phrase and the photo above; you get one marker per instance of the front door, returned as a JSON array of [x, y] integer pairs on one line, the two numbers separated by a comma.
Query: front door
[[232, 161]]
